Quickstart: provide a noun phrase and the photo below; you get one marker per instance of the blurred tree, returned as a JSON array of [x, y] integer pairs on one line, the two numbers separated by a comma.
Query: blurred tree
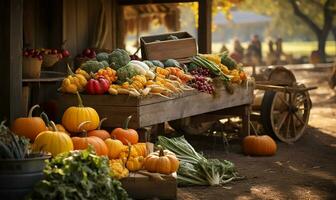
[[317, 15]]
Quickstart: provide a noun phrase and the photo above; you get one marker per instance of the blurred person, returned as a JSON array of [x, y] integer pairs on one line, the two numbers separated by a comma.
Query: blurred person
[[224, 49], [254, 51], [238, 51], [278, 50], [271, 58]]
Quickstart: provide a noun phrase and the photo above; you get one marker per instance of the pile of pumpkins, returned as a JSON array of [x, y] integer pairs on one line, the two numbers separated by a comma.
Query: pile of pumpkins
[[121, 145]]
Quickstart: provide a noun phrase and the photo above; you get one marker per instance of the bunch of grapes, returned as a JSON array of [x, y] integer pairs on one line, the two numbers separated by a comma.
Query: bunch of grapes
[[202, 84], [201, 71]]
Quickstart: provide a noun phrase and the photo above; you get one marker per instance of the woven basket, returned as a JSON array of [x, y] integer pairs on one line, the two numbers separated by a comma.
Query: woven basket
[[49, 60], [31, 67]]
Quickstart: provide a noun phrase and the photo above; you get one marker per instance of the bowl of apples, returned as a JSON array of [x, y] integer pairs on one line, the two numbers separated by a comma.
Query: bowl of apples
[[31, 63], [52, 56]]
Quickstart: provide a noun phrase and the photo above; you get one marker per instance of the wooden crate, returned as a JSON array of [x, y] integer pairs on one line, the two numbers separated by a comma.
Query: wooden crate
[[157, 47], [154, 110], [139, 186]]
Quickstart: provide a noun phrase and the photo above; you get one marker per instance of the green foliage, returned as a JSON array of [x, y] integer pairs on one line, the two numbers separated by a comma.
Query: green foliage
[[119, 58], [194, 168], [11, 145], [78, 175], [228, 61], [284, 22]]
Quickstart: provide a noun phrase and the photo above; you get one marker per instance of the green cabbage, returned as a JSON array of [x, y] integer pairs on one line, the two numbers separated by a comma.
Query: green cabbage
[[119, 58]]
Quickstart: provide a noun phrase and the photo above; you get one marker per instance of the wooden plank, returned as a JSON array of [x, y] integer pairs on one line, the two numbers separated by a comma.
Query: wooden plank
[[69, 25], [192, 105], [82, 25], [143, 187], [11, 44], [204, 26], [132, 2]]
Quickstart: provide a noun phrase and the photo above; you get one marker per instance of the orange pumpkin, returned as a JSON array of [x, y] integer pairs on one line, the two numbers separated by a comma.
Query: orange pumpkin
[[114, 148], [75, 115], [102, 134], [141, 149], [83, 142], [29, 126], [126, 135], [163, 161], [255, 145]]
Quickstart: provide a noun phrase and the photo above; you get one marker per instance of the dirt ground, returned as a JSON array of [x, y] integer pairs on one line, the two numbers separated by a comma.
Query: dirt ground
[[304, 170]]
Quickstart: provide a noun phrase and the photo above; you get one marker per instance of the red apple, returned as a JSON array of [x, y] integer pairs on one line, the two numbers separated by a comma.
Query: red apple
[[40, 57], [65, 53], [54, 51], [92, 54], [60, 56], [25, 53], [86, 52]]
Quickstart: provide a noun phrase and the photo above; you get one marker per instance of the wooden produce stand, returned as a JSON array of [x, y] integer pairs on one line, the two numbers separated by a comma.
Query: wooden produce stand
[[154, 110]]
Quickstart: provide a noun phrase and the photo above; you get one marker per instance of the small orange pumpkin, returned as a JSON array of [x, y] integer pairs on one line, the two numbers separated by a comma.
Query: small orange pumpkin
[[255, 145], [163, 161], [29, 126], [83, 142], [114, 148], [102, 134], [126, 135]]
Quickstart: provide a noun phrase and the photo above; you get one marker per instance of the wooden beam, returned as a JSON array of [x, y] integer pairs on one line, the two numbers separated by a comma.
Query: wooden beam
[[133, 2], [204, 26], [11, 58]]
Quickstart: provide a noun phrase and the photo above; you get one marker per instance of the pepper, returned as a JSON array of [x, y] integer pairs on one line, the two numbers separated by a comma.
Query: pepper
[[97, 86]]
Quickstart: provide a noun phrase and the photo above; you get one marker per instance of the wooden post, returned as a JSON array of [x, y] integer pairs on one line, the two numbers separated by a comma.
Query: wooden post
[[246, 121], [204, 26], [11, 58]]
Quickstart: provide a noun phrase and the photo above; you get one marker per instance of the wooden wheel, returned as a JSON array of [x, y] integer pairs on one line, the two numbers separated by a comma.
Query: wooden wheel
[[285, 115], [186, 125]]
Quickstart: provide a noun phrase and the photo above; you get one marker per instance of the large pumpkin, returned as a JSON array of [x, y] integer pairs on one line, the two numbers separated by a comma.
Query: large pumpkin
[[126, 135], [102, 134], [53, 141], [75, 115], [255, 145], [114, 148], [84, 142], [163, 161], [29, 126]]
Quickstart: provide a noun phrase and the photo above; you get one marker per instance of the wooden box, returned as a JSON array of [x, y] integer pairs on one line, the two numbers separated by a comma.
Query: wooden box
[[140, 186], [153, 110], [159, 47]]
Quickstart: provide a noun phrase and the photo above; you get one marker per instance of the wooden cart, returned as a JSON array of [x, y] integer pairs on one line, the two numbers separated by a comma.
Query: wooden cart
[[154, 110], [281, 104]]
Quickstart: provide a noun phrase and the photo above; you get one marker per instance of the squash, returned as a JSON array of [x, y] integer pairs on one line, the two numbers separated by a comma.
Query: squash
[[163, 161], [75, 115], [53, 141], [149, 64], [119, 58], [255, 145], [141, 149], [134, 163], [114, 148], [83, 142], [126, 135], [29, 126], [157, 63], [171, 63], [118, 169], [102, 134]]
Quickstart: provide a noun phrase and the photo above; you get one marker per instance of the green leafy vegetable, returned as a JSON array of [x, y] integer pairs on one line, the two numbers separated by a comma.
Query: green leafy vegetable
[[194, 168], [119, 58], [93, 66], [78, 175], [11, 145]]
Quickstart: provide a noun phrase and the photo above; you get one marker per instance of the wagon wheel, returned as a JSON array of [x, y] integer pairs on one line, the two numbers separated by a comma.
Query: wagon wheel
[[285, 115], [185, 125]]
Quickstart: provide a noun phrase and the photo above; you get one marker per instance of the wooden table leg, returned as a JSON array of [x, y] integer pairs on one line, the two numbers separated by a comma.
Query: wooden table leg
[[158, 129], [246, 122]]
